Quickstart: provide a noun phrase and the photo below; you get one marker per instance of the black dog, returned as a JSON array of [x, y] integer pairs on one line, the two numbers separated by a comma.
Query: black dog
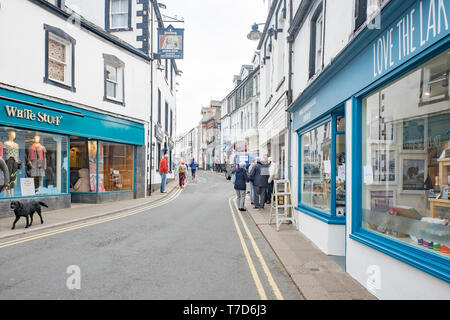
[[27, 209]]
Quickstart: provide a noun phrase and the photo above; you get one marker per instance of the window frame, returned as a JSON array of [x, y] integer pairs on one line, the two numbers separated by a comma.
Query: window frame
[[113, 61], [108, 18], [358, 13], [159, 107], [318, 13], [426, 261], [58, 35], [322, 215]]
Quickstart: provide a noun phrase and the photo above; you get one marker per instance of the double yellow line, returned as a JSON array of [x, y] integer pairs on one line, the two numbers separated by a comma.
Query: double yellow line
[[92, 223], [258, 283]]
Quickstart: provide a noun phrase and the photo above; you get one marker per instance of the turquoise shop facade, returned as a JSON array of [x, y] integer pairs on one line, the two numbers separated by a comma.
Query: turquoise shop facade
[[411, 33], [26, 112]]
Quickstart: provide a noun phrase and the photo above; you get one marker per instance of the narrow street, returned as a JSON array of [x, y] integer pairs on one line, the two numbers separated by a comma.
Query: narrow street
[[188, 248]]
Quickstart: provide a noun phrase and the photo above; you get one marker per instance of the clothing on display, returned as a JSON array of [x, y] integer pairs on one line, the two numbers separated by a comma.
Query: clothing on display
[[11, 150], [37, 157]]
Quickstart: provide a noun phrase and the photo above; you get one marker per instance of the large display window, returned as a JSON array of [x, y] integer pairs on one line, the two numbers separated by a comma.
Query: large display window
[[98, 166], [406, 158], [323, 168], [316, 168], [32, 163], [116, 166]]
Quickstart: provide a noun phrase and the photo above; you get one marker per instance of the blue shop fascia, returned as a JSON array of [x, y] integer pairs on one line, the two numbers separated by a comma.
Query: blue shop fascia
[[66, 154], [374, 138]]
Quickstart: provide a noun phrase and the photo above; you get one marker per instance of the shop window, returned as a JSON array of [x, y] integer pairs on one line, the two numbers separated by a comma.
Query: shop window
[[32, 163], [116, 166], [114, 79], [316, 168], [406, 158], [59, 66], [118, 15]]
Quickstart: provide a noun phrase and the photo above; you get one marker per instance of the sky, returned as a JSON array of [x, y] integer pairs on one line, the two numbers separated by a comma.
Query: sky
[[215, 48]]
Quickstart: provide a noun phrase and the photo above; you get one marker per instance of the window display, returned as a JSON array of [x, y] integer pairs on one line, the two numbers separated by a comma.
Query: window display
[[406, 155], [116, 166], [316, 164], [36, 163]]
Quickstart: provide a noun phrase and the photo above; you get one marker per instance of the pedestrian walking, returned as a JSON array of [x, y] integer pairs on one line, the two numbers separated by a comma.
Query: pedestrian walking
[[252, 188], [273, 171], [182, 174], [240, 185], [163, 171], [194, 166], [260, 177]]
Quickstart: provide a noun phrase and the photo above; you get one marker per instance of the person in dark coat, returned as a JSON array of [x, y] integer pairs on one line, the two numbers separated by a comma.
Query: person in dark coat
[[260, 178], [240, 185]]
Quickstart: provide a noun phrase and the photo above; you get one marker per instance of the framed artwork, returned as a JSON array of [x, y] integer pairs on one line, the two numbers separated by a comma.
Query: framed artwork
[[380, 122], [414, 134], [413, 173], [384, 165], [381, 201]]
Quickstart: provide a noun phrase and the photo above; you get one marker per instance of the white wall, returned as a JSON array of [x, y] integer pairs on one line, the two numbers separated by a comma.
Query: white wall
[[23, 64], [338, 29], [94, 11]]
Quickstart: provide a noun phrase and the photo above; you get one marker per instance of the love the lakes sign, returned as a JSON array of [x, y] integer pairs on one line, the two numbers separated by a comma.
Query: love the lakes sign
[[419, 26], [28, 114]]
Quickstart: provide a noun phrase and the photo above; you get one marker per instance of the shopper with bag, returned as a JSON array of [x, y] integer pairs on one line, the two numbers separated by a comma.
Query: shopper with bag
[[182, 174]]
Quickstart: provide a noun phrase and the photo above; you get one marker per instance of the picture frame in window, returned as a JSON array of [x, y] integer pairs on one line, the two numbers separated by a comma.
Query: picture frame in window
[[413, 173], [384, 164], [382, 200], [414, 135], [381, 128]]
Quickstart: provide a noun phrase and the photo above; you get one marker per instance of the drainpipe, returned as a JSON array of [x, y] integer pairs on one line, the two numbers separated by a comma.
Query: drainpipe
[[289, 96], [149, 191]]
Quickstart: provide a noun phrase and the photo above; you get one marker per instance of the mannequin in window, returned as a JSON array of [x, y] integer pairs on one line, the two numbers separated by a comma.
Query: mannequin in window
[[11, 152], [37, 158]]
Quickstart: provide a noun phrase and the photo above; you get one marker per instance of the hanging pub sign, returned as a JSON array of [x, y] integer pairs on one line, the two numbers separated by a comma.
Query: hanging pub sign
[[170, 43]]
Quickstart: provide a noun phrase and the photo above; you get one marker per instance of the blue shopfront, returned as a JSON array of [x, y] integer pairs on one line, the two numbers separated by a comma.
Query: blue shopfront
[[374, 147], [66, 154]]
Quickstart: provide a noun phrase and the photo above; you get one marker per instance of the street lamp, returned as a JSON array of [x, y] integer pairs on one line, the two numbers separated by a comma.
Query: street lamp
[[255, 34]]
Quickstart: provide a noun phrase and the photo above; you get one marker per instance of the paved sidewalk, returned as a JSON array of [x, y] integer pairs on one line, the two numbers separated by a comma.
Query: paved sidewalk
[[315, 274], [77, 213]]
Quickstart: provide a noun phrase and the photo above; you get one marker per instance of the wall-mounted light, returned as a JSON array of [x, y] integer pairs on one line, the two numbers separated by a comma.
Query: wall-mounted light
[[255, 34]]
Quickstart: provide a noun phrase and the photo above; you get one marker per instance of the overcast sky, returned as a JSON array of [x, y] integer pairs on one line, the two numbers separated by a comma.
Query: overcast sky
[[215, 48]]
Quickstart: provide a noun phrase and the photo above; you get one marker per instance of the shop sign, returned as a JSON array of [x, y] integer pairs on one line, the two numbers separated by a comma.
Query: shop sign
[[28, 114], [170, 43], [159, 133], [418, 27]]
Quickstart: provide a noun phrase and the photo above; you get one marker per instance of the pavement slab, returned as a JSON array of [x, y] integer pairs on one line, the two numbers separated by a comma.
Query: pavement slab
[[315, 274]]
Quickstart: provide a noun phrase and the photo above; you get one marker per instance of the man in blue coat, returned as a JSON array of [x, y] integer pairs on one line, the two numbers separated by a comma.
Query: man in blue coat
[[194, 166]]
